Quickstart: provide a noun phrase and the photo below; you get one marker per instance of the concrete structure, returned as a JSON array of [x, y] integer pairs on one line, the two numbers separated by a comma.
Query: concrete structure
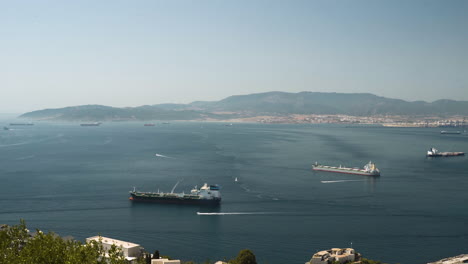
[[460, 259], [131, 251], [165, 261], [342, 255]]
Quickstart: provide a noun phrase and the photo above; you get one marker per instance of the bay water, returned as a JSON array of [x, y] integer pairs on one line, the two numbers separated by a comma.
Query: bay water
[[75, 180]]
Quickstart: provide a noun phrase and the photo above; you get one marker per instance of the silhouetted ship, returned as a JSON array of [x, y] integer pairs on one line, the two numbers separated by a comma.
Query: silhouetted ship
[[368, 170], [149, 124], [206, 195]]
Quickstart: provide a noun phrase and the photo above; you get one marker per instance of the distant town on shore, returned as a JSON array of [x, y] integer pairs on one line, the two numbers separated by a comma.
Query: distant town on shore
[[279, 107]]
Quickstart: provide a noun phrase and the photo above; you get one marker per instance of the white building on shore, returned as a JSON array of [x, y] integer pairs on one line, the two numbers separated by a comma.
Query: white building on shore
[[131, 251], [341, 255]]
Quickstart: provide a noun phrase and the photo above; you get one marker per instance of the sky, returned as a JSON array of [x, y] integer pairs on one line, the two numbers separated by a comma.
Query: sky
[[131, 53]]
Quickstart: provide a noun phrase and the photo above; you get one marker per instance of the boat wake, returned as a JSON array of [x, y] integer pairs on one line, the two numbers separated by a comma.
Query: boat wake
[[25, 157], [15, 144], [163, 156], [32, 141], [340, 181], [237, 213]]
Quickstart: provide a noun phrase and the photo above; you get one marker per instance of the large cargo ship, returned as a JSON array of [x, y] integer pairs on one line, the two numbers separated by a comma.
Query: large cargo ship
[[206, 195], [368, 170], [435, 153]]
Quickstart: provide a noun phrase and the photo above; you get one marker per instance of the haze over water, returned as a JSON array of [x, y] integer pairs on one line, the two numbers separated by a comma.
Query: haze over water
[[75, 180]]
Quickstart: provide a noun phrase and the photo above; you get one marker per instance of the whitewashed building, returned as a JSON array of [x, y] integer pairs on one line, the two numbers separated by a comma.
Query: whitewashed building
[[341, 255], [131, 251]]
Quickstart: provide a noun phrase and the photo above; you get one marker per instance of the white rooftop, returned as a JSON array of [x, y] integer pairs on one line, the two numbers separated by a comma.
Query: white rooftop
[[111, 241]]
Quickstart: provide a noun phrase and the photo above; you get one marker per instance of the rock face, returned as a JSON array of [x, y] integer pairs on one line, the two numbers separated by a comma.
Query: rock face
[[460, 259]]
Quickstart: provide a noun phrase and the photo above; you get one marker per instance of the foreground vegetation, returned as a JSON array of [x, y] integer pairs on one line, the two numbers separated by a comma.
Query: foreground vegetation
[[19, 246]]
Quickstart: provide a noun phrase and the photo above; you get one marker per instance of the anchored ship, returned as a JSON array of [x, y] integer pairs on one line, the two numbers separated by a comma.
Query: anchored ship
[[450, 132], [432, 152], [206, 195], [21, 124], [369, 169], [91, 124]]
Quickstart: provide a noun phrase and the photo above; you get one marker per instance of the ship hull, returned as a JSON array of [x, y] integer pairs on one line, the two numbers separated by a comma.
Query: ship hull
[[345, 171], [446, 154], [451, 132], [166, 200]]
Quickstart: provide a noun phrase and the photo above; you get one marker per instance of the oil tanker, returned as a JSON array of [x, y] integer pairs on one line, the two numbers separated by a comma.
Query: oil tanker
[[432, 152], [369, 169], [206, 195]]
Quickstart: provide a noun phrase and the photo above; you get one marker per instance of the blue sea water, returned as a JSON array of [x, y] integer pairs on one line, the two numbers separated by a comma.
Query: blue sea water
[[75, 180]]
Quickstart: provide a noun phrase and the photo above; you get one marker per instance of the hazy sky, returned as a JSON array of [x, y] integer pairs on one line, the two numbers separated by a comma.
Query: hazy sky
[[130, 53]]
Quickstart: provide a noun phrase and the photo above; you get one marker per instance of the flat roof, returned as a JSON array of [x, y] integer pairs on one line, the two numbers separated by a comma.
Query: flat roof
[[110, 241], [321, 253]]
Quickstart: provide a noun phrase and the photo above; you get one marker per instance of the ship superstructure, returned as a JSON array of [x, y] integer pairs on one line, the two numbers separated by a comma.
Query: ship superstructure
[[207, 194], [369, 169]]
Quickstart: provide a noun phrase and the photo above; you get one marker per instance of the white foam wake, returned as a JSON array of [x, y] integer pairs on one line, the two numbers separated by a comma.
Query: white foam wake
[[26, 157], [162, 156], [16, 144], [339, 181]]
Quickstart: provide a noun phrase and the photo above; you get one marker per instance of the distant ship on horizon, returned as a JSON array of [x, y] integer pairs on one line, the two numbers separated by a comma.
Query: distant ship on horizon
[[450, 132], [91, 124], [22, 124]]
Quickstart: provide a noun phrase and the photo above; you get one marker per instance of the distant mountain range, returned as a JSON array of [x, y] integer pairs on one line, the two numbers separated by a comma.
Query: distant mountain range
[[270, 103]]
